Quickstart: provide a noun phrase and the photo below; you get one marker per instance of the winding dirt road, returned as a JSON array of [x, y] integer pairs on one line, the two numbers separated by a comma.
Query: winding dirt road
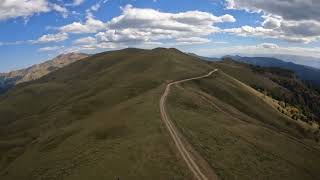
[[190, 159]]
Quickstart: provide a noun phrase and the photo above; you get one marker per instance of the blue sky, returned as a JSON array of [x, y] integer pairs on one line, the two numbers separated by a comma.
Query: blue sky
[[34, 31]]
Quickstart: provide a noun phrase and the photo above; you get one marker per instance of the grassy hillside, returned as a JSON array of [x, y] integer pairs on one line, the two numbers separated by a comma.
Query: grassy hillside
[[99, 119], [241, 135], [94, 119]]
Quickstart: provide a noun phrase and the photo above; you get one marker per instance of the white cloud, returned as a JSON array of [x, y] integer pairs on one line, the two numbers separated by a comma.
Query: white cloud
[[140, 26], [143, 26], [47, 38], [137, 25], [288, 9], [85, 40], [90, 26], [91, 44], [297, 32], [192, 21], [51, 38], [22, 8], [95, 7], [26, 8], [272, 22], [76, 3], [50, 48], [60, 9], [290, 20], [124, 36]]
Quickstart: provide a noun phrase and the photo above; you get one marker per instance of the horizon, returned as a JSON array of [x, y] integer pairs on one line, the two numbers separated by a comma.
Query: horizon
[[35, 31], [218, 57], [159, 89]]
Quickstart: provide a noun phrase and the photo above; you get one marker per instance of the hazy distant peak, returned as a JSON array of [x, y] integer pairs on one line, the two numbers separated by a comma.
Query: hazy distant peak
[[38, 70]]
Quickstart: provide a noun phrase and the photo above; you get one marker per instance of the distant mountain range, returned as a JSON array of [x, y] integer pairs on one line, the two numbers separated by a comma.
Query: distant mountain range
[[205, 58], [297, 59], [303, 60], [8, 80], [305, 73]]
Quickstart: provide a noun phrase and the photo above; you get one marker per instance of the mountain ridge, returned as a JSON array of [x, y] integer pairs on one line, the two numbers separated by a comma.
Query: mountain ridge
[[10, 79]]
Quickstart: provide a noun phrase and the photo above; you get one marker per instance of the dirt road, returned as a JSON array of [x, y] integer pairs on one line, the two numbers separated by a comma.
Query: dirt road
[[201, 172]]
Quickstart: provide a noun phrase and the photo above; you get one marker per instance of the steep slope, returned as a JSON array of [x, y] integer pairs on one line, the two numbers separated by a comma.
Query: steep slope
[[100, 119], [8, 80], [281, 84]]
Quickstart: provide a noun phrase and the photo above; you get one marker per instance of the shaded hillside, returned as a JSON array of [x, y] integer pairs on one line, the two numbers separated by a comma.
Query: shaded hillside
[[8, 80], [306, 73], [302, 96], [280, 84], [99, 119]]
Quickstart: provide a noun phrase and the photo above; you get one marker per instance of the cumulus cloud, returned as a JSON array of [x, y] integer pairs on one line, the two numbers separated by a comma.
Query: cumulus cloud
[[272, 22], [191, 21], [290, 20], [144, 26], [22, 8], [91, 43], [138, 25], [85, 40], [298, 32], [91, 25], [47, 38], [27, 8], [51, 38], [288, 9]]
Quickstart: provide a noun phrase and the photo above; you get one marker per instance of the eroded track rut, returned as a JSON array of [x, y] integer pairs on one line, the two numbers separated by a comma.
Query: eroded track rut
[[194, 162]]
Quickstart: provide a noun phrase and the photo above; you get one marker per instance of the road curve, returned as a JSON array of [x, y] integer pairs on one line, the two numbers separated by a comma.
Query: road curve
[[189, 159]]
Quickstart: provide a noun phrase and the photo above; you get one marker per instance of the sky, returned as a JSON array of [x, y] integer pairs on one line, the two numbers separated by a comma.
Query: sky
[[32, 31]]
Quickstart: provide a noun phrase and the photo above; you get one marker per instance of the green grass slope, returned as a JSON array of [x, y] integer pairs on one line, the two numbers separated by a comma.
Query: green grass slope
[[94, 119], [99, 119], [239, 134]]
